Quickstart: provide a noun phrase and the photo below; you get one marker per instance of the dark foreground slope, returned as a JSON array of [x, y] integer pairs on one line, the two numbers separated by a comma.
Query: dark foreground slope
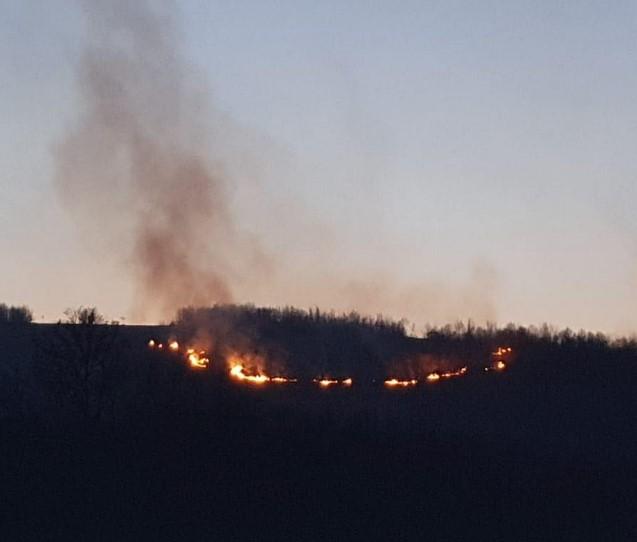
[[543, 451], [250, 474]]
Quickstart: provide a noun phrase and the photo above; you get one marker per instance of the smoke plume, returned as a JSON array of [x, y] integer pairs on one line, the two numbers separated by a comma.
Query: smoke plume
[[147, 172], [135, 168]]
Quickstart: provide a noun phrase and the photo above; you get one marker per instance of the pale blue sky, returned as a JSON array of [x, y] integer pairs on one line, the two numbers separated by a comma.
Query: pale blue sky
[[466, 158]]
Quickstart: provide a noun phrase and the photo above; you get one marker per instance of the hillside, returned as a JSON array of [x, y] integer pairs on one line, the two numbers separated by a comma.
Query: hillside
[[540, 451]]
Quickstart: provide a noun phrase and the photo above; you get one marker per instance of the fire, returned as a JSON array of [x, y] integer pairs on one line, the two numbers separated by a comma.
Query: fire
[[326, 382], [499, 356], [393, 382], [197, 361], [502, 351], [237, 371], [282, 379], [248, 369], [497, 366], [451, 374]]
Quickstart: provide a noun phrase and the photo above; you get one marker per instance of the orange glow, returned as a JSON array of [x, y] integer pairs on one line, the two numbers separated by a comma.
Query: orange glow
[[502, 351], [197, 361], [393, 382], [247, 367], [326, 382], [451, 374], [282, 379], [237, 371]]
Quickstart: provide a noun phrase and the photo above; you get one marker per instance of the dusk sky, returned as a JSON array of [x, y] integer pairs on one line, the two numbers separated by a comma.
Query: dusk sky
[[429, 160]]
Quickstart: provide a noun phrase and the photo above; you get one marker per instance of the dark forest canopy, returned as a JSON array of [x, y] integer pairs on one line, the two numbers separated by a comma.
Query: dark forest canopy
[[311, 342], [15, 314]]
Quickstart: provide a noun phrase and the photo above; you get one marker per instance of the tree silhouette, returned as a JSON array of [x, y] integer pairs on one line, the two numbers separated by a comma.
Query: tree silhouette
[[77, 363], [15, 315]]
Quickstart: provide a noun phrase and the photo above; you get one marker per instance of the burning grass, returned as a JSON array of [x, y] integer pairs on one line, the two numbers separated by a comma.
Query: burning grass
[[251, 369], [394, 383]]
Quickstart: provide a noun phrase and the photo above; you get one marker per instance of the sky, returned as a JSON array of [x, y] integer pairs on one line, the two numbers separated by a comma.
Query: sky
[[429, 160]]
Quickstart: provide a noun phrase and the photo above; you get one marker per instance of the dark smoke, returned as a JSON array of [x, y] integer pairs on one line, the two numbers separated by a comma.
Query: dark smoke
[[135, 171]]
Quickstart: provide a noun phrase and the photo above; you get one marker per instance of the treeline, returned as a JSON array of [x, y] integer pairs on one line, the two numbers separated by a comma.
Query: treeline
[[83, 366], [304, 343], [15, 314], [311, 342]]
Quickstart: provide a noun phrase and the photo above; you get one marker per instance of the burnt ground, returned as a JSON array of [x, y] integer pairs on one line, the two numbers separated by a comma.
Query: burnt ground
[[526, 455]]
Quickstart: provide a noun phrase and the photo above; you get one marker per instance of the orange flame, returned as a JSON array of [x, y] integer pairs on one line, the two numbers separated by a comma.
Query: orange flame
[[393, 382], [497, 366], [502, 351], [326, 382], [174, 346], [197, 361], [237, 371], [451, 374], [282, 379]]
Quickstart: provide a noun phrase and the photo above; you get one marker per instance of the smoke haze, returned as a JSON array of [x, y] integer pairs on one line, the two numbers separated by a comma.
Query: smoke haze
[[134, 170], [141, 172]]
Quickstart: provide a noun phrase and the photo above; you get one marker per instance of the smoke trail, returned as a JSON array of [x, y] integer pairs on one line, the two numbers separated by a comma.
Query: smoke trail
[[134, 169]]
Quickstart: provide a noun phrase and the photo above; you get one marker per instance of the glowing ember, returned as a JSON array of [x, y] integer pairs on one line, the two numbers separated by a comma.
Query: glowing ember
[[502, 351], [452, 374], [499, 356], [393, 382], [326, 382], [433, 377], [174, 346], [151, 344], [282, 379], [160, 346]]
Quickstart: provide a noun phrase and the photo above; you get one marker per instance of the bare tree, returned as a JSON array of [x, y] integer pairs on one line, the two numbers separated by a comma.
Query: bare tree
[[77, 362]]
